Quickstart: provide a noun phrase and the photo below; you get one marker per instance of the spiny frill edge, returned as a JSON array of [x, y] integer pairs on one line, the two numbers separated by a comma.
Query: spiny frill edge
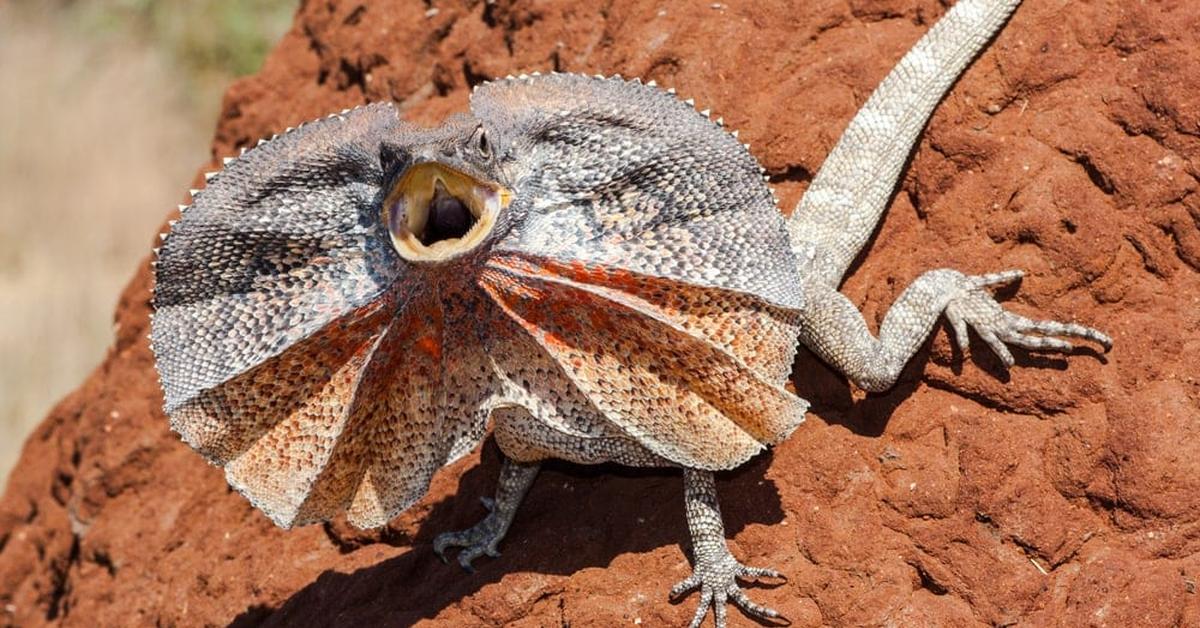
[[227, 162]]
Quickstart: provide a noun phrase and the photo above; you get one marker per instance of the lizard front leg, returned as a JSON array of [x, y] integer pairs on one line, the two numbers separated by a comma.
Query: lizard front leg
[[485, 536], [715, 570], [835, 330]]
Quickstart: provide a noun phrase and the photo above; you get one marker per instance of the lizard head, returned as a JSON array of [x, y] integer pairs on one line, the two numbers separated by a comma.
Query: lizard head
[[443, 196]]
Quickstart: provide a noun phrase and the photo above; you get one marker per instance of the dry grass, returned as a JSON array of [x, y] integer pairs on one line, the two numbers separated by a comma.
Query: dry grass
[[100, 135]]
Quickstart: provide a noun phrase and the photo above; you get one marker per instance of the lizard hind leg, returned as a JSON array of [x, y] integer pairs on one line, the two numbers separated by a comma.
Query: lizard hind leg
[[835, 330], [715, 570], [485, 536]]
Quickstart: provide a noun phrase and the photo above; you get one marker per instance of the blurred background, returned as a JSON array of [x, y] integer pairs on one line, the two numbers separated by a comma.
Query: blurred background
[[107, 108]]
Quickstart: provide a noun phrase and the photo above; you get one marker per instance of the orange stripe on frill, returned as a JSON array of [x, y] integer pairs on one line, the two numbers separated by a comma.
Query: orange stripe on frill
[[655, 371]]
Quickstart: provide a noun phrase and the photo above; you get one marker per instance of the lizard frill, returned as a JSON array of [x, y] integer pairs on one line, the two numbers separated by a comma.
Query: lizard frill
[[639, 287]]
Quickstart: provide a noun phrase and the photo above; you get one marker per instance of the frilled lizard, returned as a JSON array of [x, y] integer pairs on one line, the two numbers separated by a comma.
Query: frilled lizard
[[590, 263]]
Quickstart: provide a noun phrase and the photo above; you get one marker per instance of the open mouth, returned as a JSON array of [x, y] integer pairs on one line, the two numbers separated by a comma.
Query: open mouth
[[435, 212]]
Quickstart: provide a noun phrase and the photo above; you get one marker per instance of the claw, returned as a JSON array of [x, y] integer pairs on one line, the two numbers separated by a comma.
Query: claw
[[746, 604], [975, 308], [959, 324], [480, 540], [753, 573], [1036, 342], [718, 586], [440, 544], [997, 279], [685, 585], [997, 346], [701, 608], [1074, 330], [467, 557]]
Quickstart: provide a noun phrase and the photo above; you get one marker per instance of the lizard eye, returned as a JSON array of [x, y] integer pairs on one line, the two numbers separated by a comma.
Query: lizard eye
[[482, 145]]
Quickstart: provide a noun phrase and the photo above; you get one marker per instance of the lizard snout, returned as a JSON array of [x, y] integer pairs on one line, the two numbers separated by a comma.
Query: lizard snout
[[435, 213]]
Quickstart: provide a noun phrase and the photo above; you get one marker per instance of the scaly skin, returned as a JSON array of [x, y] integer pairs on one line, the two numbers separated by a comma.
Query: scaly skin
[[636, 301], [485, 536], [843, 206], [635, 298]]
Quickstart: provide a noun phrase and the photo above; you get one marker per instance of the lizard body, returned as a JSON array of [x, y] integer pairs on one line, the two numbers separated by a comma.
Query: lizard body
[[588, 263]]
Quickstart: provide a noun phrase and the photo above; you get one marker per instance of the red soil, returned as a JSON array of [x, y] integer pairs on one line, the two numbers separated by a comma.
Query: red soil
[[1066, 492]]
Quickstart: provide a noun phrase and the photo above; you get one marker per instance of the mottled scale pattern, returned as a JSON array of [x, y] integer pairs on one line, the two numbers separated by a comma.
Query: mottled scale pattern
[[526, 438], [470, 381], [681, 395], [633, 178], [759, 333], [533, 380], [635, 302], [274, 426], [400, 414], [277, 246], [842, 206], [413, 411]]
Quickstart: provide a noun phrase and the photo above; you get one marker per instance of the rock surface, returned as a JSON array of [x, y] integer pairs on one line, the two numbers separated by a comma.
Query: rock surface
[[1066, 492]]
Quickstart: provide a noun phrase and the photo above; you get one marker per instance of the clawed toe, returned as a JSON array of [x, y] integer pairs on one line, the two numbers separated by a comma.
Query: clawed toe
[[997, 279], [756, 610], [685, 585], [754, 573], [977, 309], [718, 585], [469, 554], [444, 541], [484, 538], [478, 541]]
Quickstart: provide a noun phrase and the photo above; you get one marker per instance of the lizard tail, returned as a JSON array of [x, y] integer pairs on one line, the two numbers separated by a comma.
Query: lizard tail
[[842, 207]]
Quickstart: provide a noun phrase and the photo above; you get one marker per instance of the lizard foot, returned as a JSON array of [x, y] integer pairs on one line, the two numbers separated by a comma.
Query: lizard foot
[[976, 308], [485, 536], [717, 581], [482, 538]]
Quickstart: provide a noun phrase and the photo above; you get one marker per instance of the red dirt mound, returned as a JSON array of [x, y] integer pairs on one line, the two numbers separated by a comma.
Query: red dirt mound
[[1065, 492]]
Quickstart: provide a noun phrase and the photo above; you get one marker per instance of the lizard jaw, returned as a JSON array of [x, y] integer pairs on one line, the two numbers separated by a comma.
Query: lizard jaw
[[436, 213]]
